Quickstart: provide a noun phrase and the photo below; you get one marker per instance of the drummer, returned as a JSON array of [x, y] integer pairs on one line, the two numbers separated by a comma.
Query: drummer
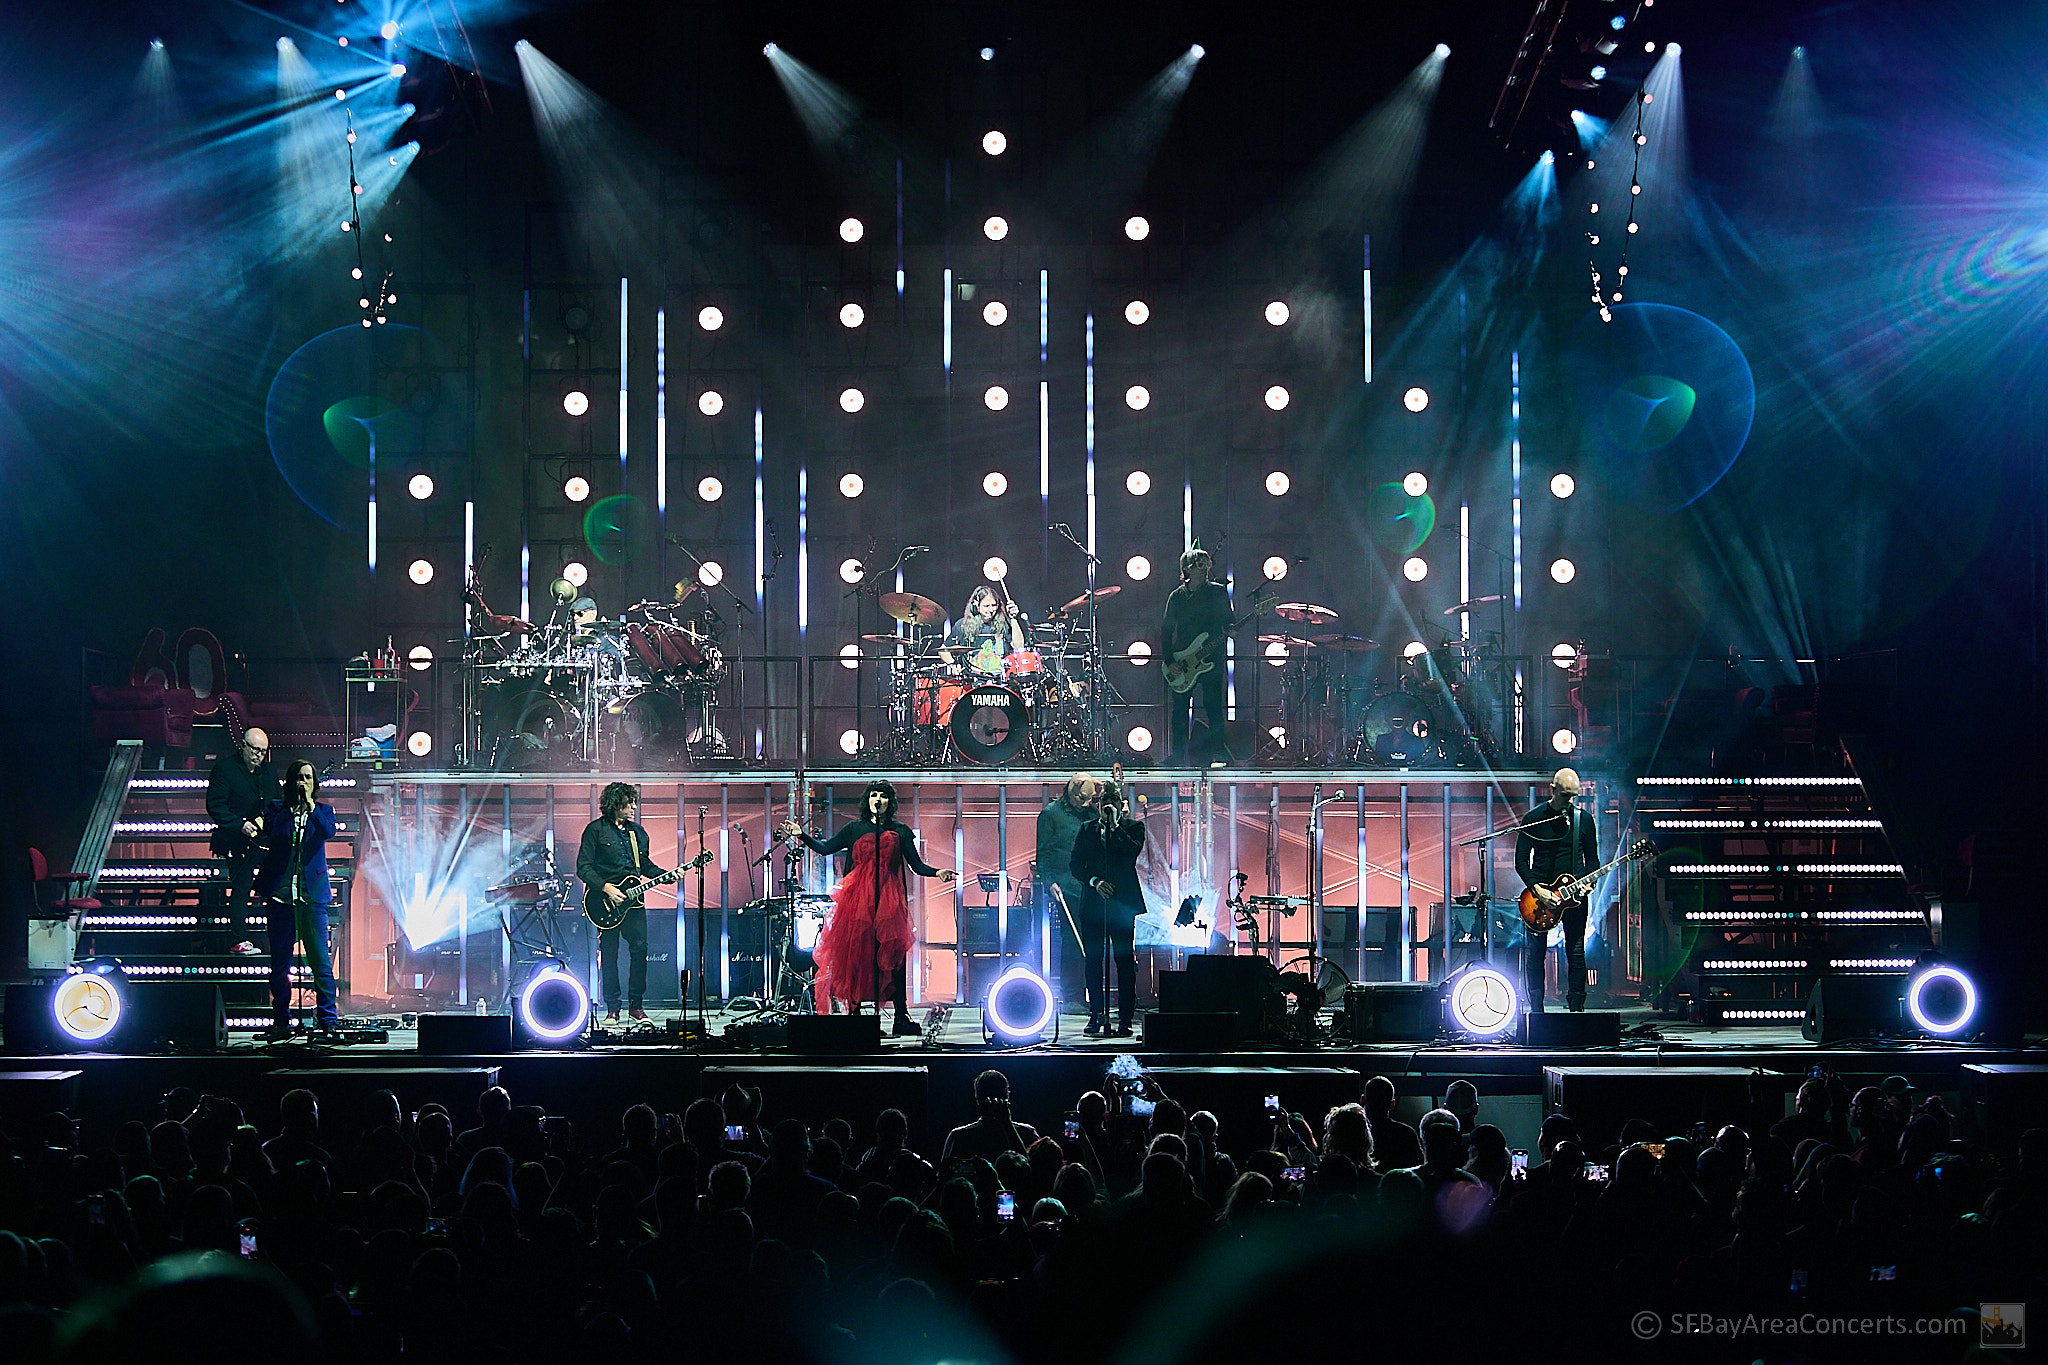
[[985, 632]]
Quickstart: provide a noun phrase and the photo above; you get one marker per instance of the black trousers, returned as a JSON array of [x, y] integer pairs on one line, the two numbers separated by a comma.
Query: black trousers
[[634, 933], [1180, 714], [240, 855], [1534, 950], [1111, 937]]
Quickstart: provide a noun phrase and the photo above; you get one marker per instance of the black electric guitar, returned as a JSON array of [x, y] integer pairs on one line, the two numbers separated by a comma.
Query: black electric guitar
[[1542, 916], [606, 913], [1185, 667]]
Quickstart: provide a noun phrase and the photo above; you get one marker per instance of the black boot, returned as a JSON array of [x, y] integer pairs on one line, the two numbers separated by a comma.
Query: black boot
[[906, 1027]]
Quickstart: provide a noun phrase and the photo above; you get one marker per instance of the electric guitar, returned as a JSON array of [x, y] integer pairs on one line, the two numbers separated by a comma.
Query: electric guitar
[[605, 913], [1567, 889], [1185, 667]]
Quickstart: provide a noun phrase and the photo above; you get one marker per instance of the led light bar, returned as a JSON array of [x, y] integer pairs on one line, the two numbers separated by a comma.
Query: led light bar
[[250, 969], [1852, 869], [1749, 782], [164, 827], [163, 871], [1754, 964], [166, 784], [1840, 916], [142, 921], [1793, 869], [1871, 964], [1721, 869], [1763, 1015], [1704, 822]]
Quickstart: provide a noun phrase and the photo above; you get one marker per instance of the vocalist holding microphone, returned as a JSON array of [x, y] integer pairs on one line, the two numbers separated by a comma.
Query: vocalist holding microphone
[[1105, 860]]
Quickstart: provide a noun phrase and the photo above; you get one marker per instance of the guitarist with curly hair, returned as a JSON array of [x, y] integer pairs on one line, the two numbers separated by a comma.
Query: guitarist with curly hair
[[615, 849], [1557, 839]]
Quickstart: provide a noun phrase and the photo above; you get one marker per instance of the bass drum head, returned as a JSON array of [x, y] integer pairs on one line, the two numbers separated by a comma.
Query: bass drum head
[[988, 724], [650, 732], [532, 729], [1401, 730]]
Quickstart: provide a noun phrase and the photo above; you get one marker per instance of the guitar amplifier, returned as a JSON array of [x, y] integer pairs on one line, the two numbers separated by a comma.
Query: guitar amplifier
[[1388, 1012]]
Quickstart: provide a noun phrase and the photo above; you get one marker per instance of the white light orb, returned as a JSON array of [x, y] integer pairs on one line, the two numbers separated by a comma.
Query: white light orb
[[1413, 648], [1563, 570], [849, 656], [1139, 739], [575, 402], [1275, 568], [1137, 312], [852, 400], [995, 398], [711, 402], [1137, 568], [1563, 485], [1277, 483], [421, 657], [850, 741], [1137, 398], [419, 744], [1276, 313], [994, 143], [711, 573], [1276, 397], [1414, 568], [995, 312], [421, 486], [1138, 483], [995, 228], [995, 483], [1136, 228], [710, 488], [1563, 741], [1416, 399], [851, 571], [390, 29], [1138, 651], [1415, 484], [1276, 653], [851, 230], [852, 485], [575, 574], [421, 571], [576, 488], [710, 318], [852, 315], [995, 569], [1564, 655]]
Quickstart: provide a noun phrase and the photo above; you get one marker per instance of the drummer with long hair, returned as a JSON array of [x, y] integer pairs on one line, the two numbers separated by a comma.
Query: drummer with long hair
[[985, 632], [862, 952]]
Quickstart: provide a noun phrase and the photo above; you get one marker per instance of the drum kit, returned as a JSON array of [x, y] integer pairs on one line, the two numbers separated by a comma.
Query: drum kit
[[1434, 714], [1046, 702], [578, 691]]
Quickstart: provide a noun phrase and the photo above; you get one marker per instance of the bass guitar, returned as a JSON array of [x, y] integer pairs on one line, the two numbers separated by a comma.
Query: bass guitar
[[1185, 667], [1542, 916], [606, 913]]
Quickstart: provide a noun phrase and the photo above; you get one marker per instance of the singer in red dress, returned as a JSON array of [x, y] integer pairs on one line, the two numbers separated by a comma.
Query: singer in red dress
[[862, 951]]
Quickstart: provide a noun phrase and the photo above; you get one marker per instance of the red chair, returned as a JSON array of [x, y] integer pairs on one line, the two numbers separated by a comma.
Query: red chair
[[159, 716], [61, 907]]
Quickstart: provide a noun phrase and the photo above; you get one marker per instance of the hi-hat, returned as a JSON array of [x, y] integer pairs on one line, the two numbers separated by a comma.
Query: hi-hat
[[908, 606], [1475, 602], [1099, 594], [1347, 644], [1291, 641], [887, 639], [1308, 613]]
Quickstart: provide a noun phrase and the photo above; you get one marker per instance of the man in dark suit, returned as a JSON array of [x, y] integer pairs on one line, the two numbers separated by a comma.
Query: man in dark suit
[[1557, 839], [1105, 860], [292, 884], [236, 790]]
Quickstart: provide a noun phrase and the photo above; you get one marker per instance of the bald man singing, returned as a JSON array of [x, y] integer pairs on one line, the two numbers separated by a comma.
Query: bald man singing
[[235, 791], [1557, 838]]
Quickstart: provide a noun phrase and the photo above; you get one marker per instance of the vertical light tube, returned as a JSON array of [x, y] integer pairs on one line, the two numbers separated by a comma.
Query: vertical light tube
[[622, 379], [1407, 923], [760, 524], [468, 545], [1515, 466], [803, 550], [1464, 568], [1366, 299], [1362, 898], [1088, 396], [526, 582], [1187, 516], [373, 517], [946, 324], [661, 417], [1044, 445], [899, 228]]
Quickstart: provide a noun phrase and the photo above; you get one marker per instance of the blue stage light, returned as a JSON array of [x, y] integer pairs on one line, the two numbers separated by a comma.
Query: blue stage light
[[1019, 1006], [553, 1006], [1941, 1000], [1482, 1001]]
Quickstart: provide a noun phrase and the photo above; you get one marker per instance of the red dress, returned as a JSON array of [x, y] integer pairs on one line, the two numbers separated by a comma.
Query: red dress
[[870, 931]]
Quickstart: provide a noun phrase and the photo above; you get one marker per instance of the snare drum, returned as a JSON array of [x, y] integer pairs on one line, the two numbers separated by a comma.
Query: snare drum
[[933, 699], [1022, 663]]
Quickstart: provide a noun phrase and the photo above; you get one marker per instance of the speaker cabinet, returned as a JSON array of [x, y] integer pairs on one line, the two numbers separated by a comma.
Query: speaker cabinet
[[1385, 1013], [465, 1035], [1841, 1007], [1568, 1029], [835, 1034]]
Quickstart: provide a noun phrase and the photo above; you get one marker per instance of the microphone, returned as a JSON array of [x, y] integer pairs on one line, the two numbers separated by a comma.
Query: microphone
[[917, 549]]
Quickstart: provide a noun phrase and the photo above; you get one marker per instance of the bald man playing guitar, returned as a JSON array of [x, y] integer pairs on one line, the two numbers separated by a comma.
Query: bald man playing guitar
[[1557, 839]]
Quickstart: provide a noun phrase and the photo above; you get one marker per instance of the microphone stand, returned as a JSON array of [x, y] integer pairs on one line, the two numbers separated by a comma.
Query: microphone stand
[[739, 625], [703, 908], [870, 586], [1098, 728]]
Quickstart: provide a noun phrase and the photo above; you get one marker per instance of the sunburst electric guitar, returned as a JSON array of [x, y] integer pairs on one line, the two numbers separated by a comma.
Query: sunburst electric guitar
[[1542, 915]]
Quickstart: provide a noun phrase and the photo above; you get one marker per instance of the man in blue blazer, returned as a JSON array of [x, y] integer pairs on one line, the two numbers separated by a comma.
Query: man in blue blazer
[[292, 885]]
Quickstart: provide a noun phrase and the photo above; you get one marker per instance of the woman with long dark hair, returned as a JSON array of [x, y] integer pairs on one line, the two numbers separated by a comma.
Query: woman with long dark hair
[[862, 952]]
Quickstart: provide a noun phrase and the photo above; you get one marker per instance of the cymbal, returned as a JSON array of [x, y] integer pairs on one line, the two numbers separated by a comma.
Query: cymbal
[[1291, 641], [505, 624], [1100, 593], [1475, 602], [686, 590], [1347, 644], [908, 606], [887, 639], [1308, 613]]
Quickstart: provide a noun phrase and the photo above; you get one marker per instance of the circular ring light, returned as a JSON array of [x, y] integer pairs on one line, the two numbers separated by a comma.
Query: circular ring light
[[1275, 568], [995, 569], [995, 483], [421, 657], [1415, 568], [852, 400], [420, 571], [1484, 1002], [553, 1006], [710, 573], [1564, 741], [575, 488], [1138, 652], [1019, 1006], [849, 655], [1954, 1005], [87, 1006], [574, 574], [852, 571]]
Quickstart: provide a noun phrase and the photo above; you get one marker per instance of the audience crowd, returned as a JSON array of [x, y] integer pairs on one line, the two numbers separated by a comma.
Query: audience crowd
[[1129, 1225]]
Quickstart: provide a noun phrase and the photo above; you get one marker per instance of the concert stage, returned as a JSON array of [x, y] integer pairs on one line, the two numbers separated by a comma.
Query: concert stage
[[1673, 1074]]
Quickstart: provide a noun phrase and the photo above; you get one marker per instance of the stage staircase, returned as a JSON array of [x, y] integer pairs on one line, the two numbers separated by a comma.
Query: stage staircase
[[163, 894], [1767, 883]]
